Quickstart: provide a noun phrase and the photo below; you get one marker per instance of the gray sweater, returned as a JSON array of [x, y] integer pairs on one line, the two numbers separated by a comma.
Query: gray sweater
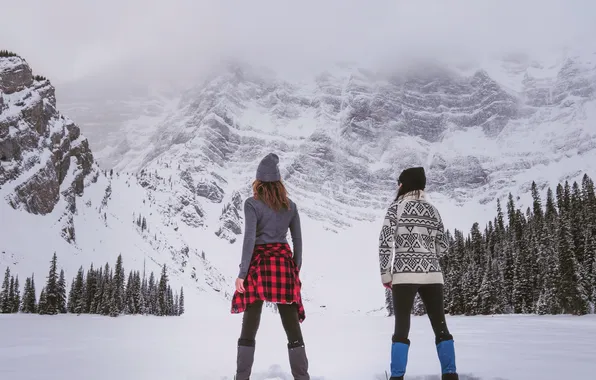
[[264, 225]]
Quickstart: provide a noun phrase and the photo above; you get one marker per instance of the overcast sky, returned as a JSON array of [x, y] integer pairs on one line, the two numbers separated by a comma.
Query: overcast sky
[[67, 39]]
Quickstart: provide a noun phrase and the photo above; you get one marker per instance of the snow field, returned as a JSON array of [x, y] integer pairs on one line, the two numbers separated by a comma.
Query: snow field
[[202, 346]]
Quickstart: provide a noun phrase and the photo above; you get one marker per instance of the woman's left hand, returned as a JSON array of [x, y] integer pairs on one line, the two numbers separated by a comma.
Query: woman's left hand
[[240, 285]]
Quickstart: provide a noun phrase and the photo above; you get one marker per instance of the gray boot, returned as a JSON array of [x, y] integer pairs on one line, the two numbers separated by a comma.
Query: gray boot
[[244, 360], [298, 362]]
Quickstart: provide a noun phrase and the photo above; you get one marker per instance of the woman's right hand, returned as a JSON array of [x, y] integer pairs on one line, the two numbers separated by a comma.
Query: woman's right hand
[[240, 285]]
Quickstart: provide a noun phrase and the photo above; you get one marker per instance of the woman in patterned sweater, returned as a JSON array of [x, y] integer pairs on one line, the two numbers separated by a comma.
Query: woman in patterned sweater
[[269, 270], [413, 234]]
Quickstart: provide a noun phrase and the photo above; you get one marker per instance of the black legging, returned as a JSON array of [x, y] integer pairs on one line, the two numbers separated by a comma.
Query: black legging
[[289, 319], [432, 297]]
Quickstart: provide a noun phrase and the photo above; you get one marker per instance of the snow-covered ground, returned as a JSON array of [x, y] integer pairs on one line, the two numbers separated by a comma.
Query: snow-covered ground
[[202, 346]]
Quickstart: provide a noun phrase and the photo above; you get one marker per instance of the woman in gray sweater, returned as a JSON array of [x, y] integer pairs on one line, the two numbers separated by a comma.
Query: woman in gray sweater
[[269, 269]]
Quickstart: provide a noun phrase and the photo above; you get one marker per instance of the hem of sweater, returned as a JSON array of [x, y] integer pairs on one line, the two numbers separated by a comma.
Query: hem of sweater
[[272, 241], [418, 278]]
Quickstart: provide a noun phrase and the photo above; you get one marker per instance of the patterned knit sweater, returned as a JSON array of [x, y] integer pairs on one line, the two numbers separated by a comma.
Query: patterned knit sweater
[[413, 234]]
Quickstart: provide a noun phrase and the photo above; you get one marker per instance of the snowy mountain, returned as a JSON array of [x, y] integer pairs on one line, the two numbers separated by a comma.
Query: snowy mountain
[[481, 131], [184, 162], [54, 197]]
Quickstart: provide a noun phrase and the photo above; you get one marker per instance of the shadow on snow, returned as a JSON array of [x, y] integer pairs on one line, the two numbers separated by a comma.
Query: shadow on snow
[[276, 373], [438, 377]]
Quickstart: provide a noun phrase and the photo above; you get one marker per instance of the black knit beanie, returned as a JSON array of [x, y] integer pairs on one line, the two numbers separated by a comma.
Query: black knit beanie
[[412, 179]]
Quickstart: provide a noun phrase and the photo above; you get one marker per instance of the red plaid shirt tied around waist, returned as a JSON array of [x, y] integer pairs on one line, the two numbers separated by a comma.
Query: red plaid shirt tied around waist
[[273, 277]]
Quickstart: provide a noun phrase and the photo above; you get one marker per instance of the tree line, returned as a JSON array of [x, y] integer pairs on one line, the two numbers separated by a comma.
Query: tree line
[[6, 53], [541, 261], [103, 291]]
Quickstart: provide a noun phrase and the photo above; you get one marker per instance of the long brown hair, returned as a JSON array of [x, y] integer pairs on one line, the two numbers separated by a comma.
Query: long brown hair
[[273, 194]]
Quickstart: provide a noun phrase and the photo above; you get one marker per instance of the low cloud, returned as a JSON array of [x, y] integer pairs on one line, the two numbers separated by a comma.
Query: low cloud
[[69, 39]]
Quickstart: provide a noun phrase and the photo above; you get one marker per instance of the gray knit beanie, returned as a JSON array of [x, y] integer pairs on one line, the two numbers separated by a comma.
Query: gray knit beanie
[[268, 171]]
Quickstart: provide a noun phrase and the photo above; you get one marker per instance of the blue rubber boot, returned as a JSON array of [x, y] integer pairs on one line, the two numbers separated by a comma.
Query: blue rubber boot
[[399, 360], [446, 353]]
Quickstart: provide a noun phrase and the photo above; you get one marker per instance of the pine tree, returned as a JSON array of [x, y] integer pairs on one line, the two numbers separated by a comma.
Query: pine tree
[[42, 307], [508, 250], [181, 302], [5, 293], [137, 293], [79, 297], [457, 302], [52, 290], [162, 294], [143, 300], [475, 269], [91, 289], [489, 302], [17, 296], [501, 259], [548, 301], [117, 297], [26, 290], [445, 262], [97, 300], [129, 299], [81, 306], [107, 293], [70, 305], [32, 301], [580, 235], [170, 302], [61, 301], [11, 298]]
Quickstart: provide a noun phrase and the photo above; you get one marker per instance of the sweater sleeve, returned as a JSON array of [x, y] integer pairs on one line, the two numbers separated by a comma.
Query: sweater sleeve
[[250, 236], [386, 242], [296, 233], [441, 242]]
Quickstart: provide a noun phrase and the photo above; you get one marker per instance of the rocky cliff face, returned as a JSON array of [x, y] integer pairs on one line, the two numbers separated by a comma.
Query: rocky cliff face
[[231, 220], [345, 135], [43, 157]]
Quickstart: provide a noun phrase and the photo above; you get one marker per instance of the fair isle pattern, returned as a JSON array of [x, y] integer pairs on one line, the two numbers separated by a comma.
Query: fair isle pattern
[[413, 233]]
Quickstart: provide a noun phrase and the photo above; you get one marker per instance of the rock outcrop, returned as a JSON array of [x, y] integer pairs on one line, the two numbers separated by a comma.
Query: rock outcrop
[[43, 157], [231, 220]]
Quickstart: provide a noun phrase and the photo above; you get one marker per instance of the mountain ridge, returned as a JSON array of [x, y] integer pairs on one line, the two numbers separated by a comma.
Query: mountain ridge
[[358, 127]]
